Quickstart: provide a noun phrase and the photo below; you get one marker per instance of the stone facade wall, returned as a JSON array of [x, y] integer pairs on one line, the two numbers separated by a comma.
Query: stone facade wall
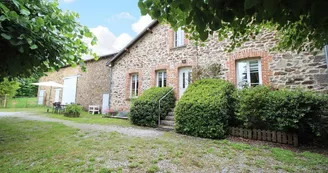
[[155, 52], [90, 87]]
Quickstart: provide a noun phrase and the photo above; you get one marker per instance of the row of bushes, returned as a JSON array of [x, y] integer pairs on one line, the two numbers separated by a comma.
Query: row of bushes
[[209, 106], [145, 109]]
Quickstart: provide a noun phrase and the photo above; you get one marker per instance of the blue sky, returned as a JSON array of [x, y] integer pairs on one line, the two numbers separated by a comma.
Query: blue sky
[[114, 22]]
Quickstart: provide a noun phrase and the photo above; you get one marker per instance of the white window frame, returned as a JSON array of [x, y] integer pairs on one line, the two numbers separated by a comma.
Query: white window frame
[[134, 94], [179, 38], [248, 72], [163, 74]]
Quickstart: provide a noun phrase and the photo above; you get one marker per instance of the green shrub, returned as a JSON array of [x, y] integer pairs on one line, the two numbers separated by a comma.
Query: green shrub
[[292, 111], [145, 109], [205, 108], [296, 110], [252, 105], [73, 110]]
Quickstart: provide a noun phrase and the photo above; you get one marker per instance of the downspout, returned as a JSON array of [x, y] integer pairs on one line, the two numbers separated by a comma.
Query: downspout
[[326, 53], [110, 85]]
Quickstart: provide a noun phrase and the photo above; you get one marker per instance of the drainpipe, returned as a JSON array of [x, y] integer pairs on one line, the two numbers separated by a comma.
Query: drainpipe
[[110, 85], [326, 52]]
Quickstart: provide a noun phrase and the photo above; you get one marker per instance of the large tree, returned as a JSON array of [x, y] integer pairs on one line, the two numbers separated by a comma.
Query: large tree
[[300, 24], [36, 36]]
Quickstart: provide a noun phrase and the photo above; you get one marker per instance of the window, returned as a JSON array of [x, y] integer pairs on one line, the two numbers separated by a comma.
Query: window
[[134, 85], [179, 38], [161, 78], [248, 73]]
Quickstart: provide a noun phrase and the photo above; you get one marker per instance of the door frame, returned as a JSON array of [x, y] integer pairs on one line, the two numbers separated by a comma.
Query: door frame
[[178, 79]]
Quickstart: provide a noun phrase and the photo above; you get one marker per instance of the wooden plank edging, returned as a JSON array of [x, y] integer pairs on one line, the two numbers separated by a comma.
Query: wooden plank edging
[[265, 135]]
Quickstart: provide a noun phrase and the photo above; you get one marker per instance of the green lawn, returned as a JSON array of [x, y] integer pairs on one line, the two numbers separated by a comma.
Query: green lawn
[[23, 102], [31, 146], [84, 118]]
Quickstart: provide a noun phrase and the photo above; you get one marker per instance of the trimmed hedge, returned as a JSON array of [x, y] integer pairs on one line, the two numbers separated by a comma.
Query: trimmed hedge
[[205, 108], [145, 111], [293, 111]]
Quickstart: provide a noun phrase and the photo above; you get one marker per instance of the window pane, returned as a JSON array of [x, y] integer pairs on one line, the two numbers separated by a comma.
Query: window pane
[[137, 86], [160, 79], [164, 82], [254, 66], [255, 78], [254, 72], [134, 85], [179, 38], [175, 39], [241, 74]]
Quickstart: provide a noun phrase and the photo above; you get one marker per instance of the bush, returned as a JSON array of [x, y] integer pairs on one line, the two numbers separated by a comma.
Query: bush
[[145, 110], [205, 108], [292, 111], [251, 111], [73, 110]]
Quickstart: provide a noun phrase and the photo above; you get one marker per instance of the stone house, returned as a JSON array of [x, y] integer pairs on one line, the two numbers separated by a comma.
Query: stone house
[[85, 88], [158, 56]]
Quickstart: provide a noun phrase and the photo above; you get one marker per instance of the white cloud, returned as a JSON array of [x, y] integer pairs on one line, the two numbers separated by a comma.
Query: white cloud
[[120, 16], [107, 42], [141, 24], [121, 41]]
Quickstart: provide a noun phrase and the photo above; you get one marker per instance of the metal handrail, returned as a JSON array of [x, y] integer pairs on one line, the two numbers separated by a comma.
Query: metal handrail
[[159, 106]]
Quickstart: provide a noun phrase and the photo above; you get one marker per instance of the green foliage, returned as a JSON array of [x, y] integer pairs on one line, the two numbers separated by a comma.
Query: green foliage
[[153, 169], [296, 111], [37, 36], [22, 102], [8, 87], [297, 22], [27, 89], [205, 108], [145, 109], [73, 110], [251, 108]]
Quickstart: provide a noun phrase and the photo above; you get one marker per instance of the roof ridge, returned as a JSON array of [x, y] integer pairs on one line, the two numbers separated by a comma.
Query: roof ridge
[[126, 48]]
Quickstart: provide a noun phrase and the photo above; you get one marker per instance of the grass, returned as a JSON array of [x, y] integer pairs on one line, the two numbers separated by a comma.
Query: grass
[[22, 102], [31, 146], [84, 117]]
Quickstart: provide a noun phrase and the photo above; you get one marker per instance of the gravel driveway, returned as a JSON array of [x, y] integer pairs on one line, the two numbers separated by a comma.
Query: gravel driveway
[[131, 131]]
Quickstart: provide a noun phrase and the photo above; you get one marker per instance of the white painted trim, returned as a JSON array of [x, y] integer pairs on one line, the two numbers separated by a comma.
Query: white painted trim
[[135, 85], [248, 71], [67, 77]]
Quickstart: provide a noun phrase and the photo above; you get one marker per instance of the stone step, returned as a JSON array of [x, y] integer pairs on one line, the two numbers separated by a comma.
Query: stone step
[[171, 113], [167, 122], [165, 128], [169, 118]]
